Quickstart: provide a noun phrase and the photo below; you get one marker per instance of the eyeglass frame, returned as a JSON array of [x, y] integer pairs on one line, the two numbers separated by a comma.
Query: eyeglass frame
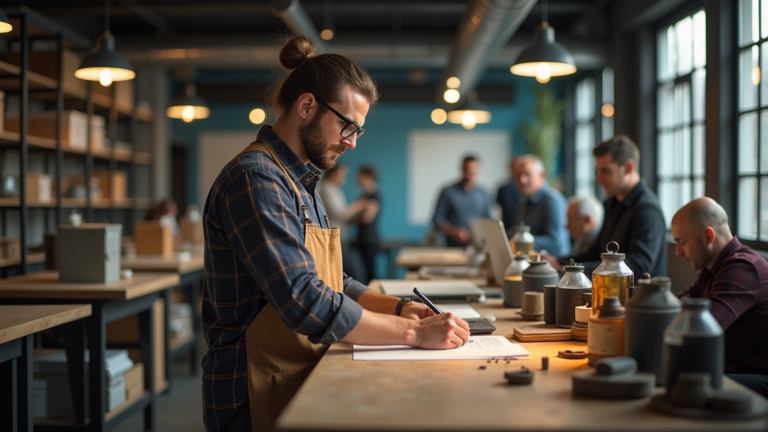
[[359, 131]]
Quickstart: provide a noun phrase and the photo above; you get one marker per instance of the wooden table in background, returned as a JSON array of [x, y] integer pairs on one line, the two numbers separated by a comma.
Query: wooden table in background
[[346, 395], [190, 272], [18, 324], [414, 257], [109, 302]]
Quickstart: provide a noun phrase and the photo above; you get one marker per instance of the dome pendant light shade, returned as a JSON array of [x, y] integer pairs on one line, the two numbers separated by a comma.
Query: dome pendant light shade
[[188, 105], [105, 64], [470, 113], [5, 23], [545, 58]]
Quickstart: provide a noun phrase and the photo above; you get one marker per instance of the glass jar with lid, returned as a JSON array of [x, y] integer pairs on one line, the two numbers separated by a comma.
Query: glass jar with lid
[[569, 292], [612, 278], [522, 241]]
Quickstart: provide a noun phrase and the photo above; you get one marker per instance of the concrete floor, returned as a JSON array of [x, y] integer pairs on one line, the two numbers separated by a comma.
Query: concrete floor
[[180, 409]]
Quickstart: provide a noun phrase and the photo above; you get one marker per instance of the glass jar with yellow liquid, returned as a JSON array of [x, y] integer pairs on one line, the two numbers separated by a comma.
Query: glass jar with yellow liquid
[[611, 278]]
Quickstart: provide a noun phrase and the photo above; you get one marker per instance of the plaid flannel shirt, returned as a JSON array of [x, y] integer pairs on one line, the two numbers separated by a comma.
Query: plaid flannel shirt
[[737, 286], [254, 255]]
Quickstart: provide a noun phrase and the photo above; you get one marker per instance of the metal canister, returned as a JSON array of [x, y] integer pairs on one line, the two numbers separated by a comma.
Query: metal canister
[[569, 294], [522, 241], [513, 281], [538, 274], [648, 313], [611, 278]]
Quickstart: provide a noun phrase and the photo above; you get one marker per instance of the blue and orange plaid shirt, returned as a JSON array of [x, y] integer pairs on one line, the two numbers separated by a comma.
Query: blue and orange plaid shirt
[[737, 286], [254, 255]]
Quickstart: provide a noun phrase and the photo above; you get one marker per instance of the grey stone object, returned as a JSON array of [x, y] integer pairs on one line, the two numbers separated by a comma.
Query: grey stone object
[[570, 291], [614, 378], [539, 273], [89, 253], [647, 315]]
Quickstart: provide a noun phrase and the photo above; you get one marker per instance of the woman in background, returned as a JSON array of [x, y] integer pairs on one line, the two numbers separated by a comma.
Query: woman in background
[[367, 232]]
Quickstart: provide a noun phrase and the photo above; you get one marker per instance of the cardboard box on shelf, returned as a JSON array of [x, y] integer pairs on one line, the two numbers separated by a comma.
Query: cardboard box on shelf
[[45, 63], [115, 187], [39, 187], [124, 93], [125, 331], [153, 238], [134, 382], [74, 128], [89, 253], [10, 247]]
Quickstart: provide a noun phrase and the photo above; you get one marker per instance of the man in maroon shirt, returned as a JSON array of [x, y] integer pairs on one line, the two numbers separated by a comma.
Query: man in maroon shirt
[[735, 279]]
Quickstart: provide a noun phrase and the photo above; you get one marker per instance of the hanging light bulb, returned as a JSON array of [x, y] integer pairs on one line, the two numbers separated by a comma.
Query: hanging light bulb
[[188, 105], [545, 58], [451, 96], [257, 116], [468, 120], [453, 82], [439, 116], [542, 73], [470, 113], [105, 77], [104, 57], [188, 113], [327, 34], [5, 23]]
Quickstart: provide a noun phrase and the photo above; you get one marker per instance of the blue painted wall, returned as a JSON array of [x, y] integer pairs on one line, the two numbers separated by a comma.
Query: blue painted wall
[[384, 144]]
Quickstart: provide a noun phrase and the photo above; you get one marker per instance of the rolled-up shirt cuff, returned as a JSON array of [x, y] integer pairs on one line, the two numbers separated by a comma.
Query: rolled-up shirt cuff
[[355, 289], [346, 319]]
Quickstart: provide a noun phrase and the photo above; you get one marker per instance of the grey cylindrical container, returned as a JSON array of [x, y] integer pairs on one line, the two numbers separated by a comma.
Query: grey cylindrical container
[[550, 301], [648, 314], [570, 290], [539, 273], [513, 282], [694, 342]]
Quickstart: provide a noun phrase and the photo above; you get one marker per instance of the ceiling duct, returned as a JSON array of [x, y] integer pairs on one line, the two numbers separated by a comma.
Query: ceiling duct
[[295, 17], [487, 25]]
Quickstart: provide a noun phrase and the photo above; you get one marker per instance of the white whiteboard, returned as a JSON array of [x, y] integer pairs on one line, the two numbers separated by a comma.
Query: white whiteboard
[[434, 161], [214, 150]]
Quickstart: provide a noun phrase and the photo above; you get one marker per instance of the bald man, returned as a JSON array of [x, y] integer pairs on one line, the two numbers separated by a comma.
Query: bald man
[[542, 208], [735, 279]]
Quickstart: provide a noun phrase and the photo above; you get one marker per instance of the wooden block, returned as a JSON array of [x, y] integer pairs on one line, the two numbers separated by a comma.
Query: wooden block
[[152, 238], [114, 187], [134, 381], [542, 333], [39, 187]]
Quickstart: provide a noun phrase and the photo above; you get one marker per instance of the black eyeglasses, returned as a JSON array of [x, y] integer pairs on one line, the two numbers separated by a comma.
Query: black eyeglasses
[[350, 128]]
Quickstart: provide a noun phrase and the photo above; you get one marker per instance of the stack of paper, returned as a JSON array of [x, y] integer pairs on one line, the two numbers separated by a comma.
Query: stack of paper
[[476, 348]]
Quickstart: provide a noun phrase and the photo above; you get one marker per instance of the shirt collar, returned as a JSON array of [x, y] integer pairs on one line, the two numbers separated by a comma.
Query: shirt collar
[[634, 194], [298, 170], [538, 195], [727, 251]]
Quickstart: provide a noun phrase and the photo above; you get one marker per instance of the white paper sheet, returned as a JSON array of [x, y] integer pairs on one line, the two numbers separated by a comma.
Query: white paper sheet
[[462, 311], [477, 348]]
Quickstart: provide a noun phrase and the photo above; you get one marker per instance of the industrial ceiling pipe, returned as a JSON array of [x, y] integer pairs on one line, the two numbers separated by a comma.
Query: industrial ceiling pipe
[[485, 28], [295, 17]]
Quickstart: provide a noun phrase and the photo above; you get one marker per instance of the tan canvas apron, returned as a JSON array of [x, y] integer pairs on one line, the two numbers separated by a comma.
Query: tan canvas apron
[[279, 360]]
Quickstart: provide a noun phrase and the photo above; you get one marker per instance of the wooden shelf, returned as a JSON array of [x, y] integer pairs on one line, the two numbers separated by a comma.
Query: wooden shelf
[[140, 203], [13, 138], [124, 406], [33, 258]]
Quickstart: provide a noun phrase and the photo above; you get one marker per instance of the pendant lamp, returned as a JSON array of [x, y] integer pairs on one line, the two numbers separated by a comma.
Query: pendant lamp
[[470, 113], [104, 64], [545, 58], [188, 105], [5, 23]]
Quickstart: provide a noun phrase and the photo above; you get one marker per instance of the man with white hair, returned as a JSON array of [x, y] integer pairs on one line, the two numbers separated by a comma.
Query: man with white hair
[[585, 218], [542, 208]]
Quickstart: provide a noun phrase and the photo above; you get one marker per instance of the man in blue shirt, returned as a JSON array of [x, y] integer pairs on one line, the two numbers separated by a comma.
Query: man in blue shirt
[[543, 208], [461, 202], [509, 196]]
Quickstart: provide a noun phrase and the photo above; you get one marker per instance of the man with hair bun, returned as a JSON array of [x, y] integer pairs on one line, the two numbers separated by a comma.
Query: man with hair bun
[[274, 292], [735, 279]]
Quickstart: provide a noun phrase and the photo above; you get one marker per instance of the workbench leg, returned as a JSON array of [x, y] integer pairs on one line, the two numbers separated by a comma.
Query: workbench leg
[[195, 291], [8, 400], [147, 344], [74, 344], [25, 383], [97, 384], [166, 296]]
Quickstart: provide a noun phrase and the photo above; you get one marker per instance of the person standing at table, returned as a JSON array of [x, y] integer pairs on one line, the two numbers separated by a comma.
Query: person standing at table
[[274, 292], [509, 196], [735, 279], [461, 202], [340, 215], [367, 231], [633, 216], [542, 208], [585, 218]]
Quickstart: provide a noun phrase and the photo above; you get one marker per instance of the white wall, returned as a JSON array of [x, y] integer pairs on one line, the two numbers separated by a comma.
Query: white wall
[[434, 161], [214, 150]]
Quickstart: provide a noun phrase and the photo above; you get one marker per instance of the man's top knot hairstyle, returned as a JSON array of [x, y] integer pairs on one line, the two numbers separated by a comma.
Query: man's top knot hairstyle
[[326, 76]]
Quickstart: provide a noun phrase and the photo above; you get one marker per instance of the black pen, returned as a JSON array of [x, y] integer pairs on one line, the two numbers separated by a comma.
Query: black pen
[[426, 301]]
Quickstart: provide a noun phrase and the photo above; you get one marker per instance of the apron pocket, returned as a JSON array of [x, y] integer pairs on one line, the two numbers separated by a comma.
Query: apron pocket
[[286, 386]]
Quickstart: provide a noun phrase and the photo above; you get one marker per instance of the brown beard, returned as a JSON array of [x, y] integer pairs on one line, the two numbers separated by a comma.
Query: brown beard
[[311, 137]]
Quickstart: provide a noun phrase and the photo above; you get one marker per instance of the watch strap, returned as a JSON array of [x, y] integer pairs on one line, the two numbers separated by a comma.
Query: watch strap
[[400, 304]]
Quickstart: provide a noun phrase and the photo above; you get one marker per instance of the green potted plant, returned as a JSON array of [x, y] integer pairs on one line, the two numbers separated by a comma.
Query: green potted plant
[[544, 135]]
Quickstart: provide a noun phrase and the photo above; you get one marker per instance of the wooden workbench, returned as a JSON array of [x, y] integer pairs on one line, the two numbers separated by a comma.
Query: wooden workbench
[[109, 302], [417, 256], [342, 394], [17, 326]]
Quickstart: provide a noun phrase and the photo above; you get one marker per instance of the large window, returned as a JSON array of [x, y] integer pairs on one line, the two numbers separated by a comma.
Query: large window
[[594, 122], [753, 121], [681, 78]]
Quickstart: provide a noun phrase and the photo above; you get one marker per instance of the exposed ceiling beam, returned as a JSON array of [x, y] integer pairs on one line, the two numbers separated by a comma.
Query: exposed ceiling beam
[[296, 19]]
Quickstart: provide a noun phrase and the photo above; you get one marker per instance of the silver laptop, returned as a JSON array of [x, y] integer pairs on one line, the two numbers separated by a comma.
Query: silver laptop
[[499, 250], [476, 237], [435, 290]]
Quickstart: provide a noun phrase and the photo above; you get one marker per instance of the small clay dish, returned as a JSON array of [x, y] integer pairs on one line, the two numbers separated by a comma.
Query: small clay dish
[[522, 376], [572, 355]]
